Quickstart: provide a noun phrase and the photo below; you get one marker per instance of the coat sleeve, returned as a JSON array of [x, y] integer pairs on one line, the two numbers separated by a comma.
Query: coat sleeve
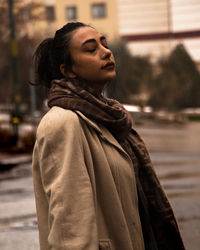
[[66, 184]]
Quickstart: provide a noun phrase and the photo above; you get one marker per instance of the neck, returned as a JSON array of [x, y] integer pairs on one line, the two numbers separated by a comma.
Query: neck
[[91, 86], [97, 87]]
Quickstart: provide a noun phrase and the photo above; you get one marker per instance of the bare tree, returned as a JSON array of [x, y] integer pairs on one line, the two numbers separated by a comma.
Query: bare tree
[[26, 13]]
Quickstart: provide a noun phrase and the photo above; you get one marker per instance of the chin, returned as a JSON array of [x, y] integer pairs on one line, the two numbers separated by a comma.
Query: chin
[[112, 77]]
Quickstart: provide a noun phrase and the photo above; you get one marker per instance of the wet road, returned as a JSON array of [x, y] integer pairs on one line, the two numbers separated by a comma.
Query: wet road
[[175, 151]]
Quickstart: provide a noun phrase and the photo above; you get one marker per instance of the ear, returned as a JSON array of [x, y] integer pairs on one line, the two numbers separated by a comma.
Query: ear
[[67, 72]]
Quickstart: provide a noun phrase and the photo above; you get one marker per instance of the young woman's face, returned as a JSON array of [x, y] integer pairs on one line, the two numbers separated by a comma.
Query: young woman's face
[[91, 58]]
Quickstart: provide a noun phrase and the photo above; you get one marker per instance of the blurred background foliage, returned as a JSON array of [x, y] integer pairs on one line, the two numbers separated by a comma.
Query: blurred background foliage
[[24, 12], [171, 83], [177, 85]]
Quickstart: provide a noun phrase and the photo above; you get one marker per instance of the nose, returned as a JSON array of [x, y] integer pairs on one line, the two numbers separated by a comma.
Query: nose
[[106, 53]]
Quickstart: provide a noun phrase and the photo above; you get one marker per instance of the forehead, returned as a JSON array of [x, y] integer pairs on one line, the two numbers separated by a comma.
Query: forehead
[[82, 34]]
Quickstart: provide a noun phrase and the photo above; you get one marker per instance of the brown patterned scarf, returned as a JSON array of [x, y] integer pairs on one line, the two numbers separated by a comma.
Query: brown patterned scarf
[[159, 226]]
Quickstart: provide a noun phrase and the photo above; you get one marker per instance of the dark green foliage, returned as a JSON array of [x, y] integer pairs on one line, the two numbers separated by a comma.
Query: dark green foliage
[[177, 86], [173, 83], [134, 74]]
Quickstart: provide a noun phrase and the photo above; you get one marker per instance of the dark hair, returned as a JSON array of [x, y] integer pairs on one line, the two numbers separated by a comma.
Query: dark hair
[[52, 52]]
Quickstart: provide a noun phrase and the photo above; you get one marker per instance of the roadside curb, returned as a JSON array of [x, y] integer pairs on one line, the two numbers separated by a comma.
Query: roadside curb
[[10, 161]]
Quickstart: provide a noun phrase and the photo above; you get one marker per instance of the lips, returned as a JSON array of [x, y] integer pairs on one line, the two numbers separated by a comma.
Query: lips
[[109, 65]]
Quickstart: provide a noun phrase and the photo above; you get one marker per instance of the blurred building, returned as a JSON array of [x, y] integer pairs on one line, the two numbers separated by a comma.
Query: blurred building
[[151, 27], [154, 27], [103, 15]]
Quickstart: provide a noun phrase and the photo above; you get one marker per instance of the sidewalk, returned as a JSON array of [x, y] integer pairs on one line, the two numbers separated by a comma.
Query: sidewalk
[[18, 224]]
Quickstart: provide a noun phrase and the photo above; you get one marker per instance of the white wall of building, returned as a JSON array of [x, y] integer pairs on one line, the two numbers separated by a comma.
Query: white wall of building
[[138, 17]]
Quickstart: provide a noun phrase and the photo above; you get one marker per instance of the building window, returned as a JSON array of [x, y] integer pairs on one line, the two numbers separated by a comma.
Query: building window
[[26, 13], [50, 2], [71, 13], [50, 13], [98, 10]]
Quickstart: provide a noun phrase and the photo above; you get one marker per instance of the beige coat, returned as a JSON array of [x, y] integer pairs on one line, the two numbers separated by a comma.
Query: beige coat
[[85, 186]]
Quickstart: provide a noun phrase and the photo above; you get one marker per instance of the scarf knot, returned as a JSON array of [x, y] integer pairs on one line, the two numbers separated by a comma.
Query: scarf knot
[[78, 96]]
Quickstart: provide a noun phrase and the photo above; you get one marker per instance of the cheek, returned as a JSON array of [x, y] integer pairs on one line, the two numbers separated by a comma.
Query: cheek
[[75, 60], [85, 63], [77, 65]]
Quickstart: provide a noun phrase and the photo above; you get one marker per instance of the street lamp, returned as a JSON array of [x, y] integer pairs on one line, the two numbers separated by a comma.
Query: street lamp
[[14, 59]]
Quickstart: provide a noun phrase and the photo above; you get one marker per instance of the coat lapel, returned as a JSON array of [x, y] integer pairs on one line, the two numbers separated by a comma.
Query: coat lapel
[[103, 133]]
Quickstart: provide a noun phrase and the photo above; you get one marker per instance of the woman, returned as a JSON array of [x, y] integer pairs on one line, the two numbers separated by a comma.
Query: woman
[[94, 183]]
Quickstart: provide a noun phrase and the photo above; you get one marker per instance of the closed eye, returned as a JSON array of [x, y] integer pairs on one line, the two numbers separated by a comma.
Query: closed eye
[[91, 50], [94, 49]]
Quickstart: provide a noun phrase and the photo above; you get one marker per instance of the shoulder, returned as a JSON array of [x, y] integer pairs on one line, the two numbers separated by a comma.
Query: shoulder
[[59, 115], [58, 120]]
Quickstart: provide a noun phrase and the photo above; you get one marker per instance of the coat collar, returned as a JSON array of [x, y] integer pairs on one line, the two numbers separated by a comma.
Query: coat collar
[[103, 132]]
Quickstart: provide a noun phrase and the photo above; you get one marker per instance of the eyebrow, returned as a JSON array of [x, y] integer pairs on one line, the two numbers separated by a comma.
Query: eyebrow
[[92, 40]]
